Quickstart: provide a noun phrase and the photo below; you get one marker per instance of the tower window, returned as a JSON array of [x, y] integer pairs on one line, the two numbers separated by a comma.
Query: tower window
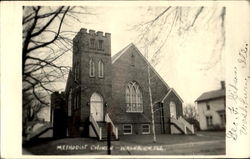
[[100, 69], [133, 98], [77, 71], [100, 44], [92, 43], [91, 68]]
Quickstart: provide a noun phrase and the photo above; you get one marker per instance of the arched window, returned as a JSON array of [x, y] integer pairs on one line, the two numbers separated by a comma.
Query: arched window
[[69, 103], [100, 69], [91, 68], [133, 98]]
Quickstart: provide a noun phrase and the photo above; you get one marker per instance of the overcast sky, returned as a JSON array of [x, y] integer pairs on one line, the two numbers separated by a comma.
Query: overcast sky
[[182, 63]]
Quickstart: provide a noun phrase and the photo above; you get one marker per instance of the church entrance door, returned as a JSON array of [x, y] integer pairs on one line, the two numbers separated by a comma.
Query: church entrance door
[[96, 106], [173, 110]]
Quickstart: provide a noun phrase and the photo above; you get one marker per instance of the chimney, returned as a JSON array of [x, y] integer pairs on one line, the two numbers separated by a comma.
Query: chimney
[[222, 83]]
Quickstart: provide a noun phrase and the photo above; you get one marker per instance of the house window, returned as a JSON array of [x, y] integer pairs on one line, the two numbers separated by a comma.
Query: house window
[[208, 106], [133, 98], [92, 43], [100, 44], [100, 69], [209, 120], [145, 129], [127, 129], [223, 119], [91, 68]]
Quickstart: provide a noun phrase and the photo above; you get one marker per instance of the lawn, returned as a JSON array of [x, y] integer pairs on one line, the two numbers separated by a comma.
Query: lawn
[[203, 143]]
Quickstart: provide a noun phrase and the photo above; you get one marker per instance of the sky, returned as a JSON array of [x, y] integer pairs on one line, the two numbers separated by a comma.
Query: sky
[[183, 58]]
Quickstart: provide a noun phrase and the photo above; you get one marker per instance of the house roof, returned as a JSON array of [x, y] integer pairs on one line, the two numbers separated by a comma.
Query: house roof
[[211, 95]]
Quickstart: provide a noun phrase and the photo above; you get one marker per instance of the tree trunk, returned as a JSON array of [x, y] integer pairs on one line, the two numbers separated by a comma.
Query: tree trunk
[[151, 100], [151, 105]]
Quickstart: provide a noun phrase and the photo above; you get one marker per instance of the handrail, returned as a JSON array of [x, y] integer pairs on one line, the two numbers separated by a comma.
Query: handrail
[[188, 125], [114, 129], [39, 130], [179, 124], [96, 127]]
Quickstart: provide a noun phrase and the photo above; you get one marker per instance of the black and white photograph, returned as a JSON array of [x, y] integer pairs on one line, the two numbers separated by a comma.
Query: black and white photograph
[[131, 79]]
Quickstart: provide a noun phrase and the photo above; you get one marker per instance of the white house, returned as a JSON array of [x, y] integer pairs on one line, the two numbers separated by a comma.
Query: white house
[[211, 109]]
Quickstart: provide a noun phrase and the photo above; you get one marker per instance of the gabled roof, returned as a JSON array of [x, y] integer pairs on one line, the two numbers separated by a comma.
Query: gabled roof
[[131, 45], [172, 90], [117, 55], [211, 95]]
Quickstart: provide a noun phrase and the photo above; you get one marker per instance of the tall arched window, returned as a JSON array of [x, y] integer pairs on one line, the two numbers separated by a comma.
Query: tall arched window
[[91, 68], [133, 98], [69, 103], [100, 69]]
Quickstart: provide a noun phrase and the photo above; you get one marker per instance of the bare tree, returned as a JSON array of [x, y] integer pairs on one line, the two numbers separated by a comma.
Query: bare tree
[[164, 22], [45, 43], [153, 34], [190, 112]]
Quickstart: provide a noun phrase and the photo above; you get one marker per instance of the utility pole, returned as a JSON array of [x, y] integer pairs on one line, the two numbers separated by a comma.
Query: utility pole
[[109, 127]]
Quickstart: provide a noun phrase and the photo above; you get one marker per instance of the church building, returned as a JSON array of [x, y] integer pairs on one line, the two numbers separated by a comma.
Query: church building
[[102, 89]]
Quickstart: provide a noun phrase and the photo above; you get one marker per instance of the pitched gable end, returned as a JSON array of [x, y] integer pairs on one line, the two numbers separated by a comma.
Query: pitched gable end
[[125, 50]]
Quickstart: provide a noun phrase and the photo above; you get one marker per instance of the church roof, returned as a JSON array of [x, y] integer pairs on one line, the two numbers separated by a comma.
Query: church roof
[[117, 55], [171, 90], [211, 95], [124, 50]]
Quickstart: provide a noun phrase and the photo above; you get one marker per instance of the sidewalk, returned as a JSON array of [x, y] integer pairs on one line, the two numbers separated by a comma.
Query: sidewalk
[[207, 143]]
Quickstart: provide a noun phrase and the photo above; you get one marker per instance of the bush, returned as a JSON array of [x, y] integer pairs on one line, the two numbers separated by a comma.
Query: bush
[[194, 122], [216, 127]]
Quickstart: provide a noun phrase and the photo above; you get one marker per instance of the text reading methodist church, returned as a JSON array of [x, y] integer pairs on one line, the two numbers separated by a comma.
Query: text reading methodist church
[[102, 89]]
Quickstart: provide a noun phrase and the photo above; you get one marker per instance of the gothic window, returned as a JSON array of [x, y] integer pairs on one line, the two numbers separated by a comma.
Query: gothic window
[[78, 100], [77, 71], [69, 103], [100, 69], [92, 43], [133, 98], [100, 44], [91, 68]]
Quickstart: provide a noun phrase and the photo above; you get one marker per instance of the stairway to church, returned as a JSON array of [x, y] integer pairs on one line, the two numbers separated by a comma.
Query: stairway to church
[[104, 127]]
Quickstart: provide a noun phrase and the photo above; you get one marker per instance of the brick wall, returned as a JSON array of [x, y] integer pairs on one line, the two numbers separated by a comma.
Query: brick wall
[[123, 73], [82, 53]]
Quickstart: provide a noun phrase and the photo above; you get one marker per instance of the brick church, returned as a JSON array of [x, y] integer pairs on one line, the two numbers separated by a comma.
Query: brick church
[[102, 89]]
